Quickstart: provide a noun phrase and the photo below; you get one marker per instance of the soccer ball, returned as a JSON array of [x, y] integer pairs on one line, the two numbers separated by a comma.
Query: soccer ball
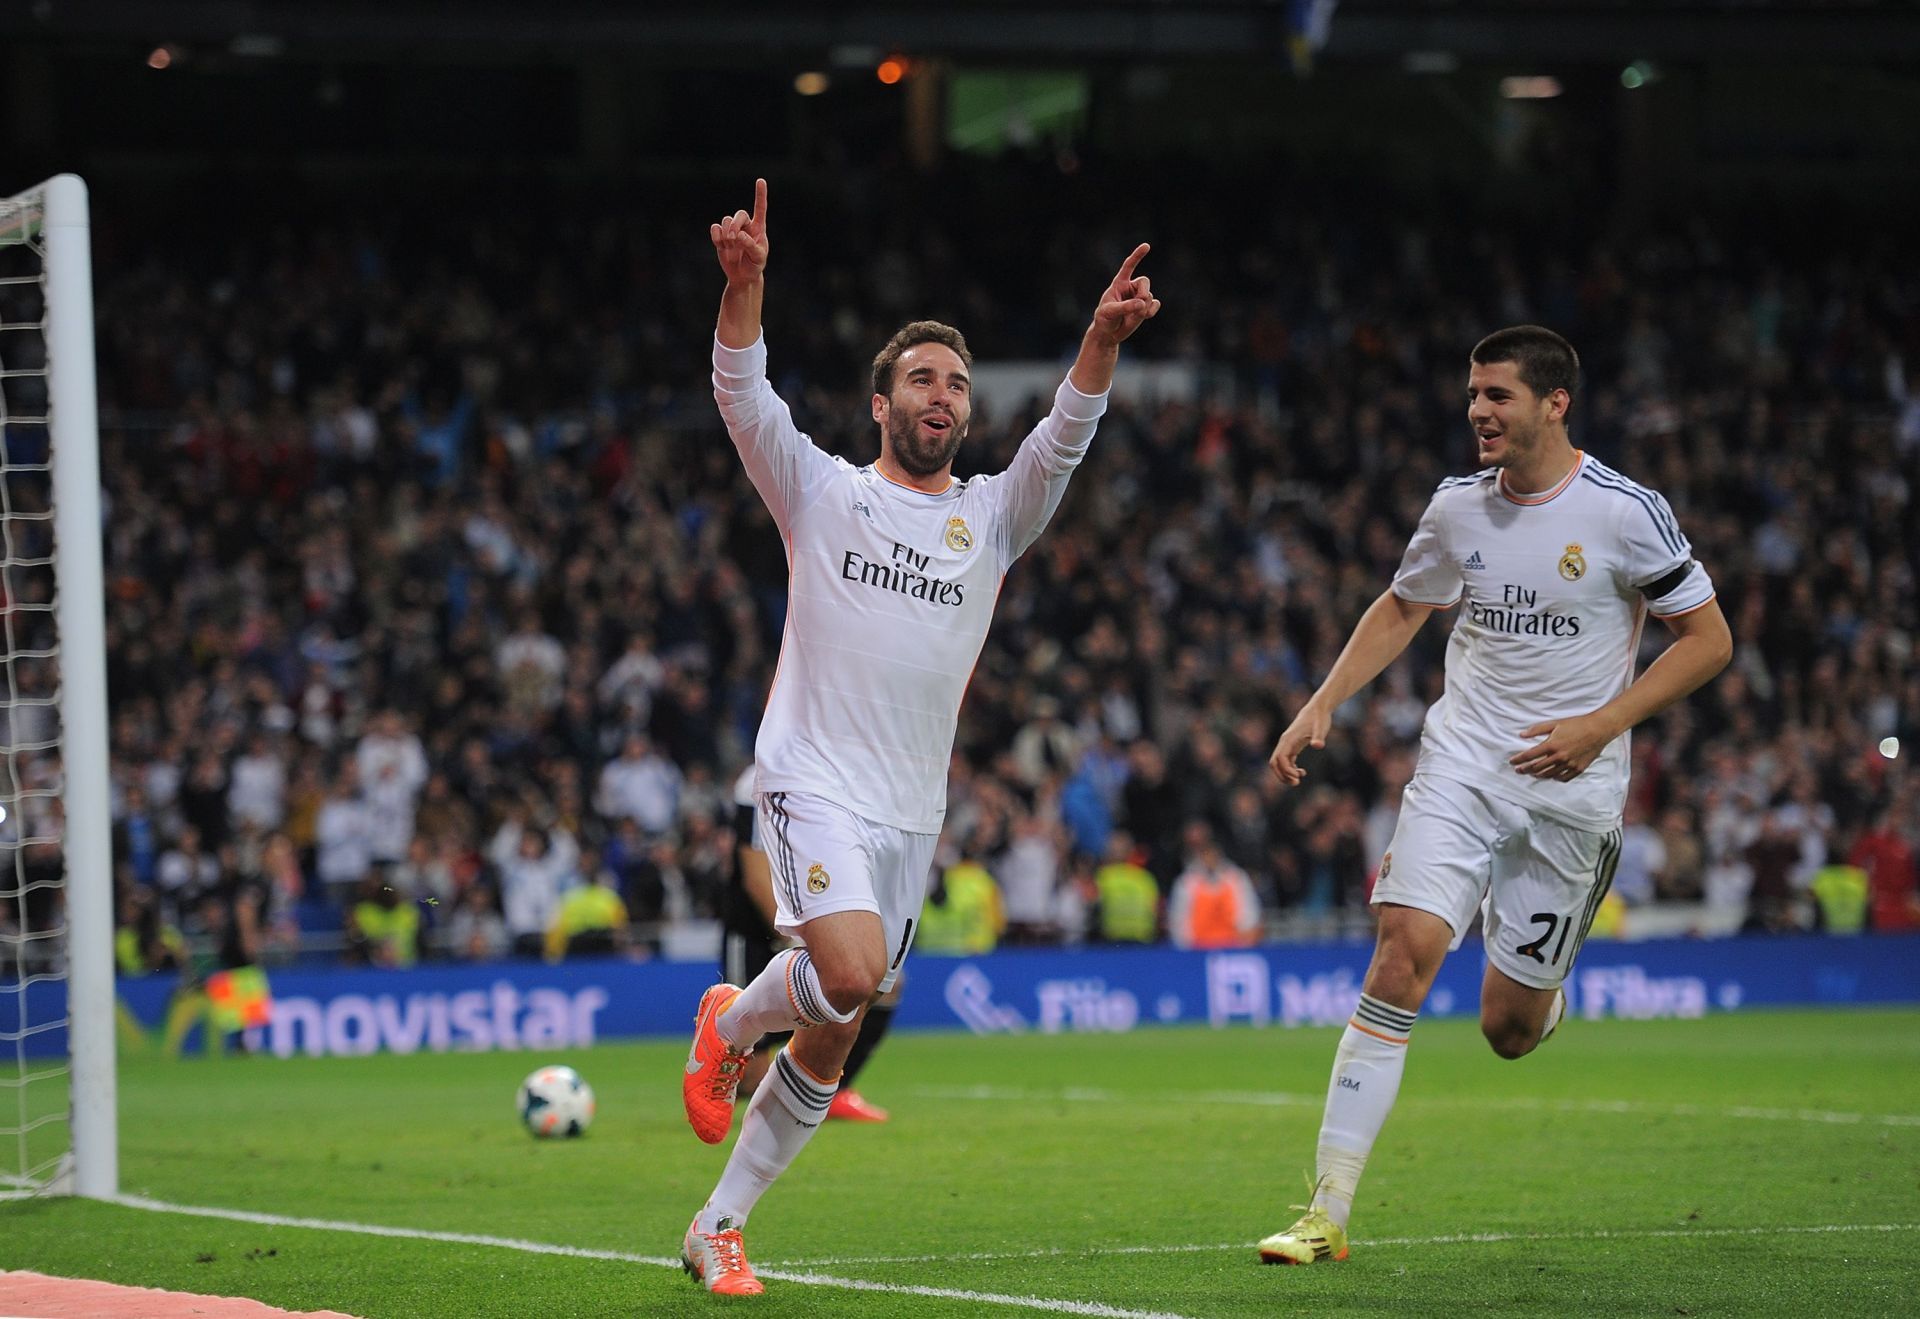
[[554, 1101]]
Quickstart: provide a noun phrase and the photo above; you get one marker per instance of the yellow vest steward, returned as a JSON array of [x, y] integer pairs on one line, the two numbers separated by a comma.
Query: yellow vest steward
[[396, 927], [970, 920], [1129, 903]]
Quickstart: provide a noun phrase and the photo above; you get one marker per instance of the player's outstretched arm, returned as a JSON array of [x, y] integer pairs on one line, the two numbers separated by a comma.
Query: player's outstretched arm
[[1702, 646], [740, 241], [784, 465], [1377, 640], [1126, 305]]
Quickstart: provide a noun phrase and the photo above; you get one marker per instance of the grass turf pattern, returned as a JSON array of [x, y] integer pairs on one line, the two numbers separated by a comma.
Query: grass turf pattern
[[1626, 1168]]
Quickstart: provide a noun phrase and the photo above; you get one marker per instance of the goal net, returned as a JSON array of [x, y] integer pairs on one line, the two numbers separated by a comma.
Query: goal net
[[57, 1101]]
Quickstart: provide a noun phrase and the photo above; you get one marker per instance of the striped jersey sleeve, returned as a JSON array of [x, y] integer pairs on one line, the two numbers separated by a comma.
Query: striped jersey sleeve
[[1656, 557]]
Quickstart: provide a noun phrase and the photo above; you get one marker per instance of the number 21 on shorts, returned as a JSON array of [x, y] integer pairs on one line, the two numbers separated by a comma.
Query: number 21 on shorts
[[1553, 923]]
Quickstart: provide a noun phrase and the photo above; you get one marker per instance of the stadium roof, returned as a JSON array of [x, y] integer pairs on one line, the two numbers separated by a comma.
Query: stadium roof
[[1722, 30]]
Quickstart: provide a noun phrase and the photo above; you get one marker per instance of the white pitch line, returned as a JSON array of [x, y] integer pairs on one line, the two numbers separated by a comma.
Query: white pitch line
[[807, 1278], [1283, 1099], [1459, 1238]]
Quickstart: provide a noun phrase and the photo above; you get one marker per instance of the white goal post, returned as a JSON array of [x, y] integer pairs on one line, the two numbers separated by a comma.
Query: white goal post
[[53, 761]]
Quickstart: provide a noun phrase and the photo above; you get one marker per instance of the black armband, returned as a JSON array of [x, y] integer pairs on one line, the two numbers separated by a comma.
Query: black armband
[[1664, 586]]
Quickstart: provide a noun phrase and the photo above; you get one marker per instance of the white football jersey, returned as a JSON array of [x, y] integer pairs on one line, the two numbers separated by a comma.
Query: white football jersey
[[1554, 588], [889, 595]]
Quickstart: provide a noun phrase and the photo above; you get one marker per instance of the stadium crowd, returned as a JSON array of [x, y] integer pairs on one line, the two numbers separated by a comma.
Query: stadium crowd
[[436, 592]]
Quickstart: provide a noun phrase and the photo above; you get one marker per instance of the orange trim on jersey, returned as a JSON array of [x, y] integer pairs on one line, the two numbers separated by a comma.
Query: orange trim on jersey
[[930, 494], [1664, 618], [1579, 461], [1378, 1035]]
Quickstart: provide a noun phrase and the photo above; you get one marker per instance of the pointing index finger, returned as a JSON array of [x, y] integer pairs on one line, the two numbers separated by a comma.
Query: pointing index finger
[[759, 205], [1126, 267]]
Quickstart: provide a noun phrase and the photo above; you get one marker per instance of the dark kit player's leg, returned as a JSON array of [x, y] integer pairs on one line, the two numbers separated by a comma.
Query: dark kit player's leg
[[848, 1103]]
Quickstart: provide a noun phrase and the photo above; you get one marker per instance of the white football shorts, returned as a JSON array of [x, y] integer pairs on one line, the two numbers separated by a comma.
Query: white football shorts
[[1537, 881], [825, 859]]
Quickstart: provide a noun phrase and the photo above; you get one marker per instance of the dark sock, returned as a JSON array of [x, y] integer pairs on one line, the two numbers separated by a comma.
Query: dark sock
[[872, 1031]]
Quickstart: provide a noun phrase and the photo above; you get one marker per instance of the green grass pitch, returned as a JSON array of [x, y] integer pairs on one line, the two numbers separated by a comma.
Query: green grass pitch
[[1764, 1163]]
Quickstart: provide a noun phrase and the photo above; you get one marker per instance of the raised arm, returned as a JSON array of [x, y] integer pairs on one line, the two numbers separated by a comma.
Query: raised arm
[[1127, 304], [784, 465], [740, 241], [1035, 481]]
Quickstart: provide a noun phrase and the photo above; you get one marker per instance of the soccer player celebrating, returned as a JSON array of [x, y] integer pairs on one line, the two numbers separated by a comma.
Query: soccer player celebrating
[[893, 572], [1516, 804]]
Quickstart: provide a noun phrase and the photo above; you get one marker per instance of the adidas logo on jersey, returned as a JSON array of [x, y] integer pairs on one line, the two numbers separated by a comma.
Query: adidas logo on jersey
[[1473, 562]]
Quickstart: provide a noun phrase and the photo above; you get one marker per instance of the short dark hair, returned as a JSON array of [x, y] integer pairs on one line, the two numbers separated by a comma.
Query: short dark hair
[[906, 337], [1545, 361]]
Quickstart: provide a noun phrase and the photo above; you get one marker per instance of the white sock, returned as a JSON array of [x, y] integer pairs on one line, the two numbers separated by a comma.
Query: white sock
[[1555, 1012], [1366, 1078], [785, 996], [781, 1118]]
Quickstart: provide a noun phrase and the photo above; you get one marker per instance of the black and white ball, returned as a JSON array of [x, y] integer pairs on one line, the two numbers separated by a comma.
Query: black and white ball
[[555, 1102]]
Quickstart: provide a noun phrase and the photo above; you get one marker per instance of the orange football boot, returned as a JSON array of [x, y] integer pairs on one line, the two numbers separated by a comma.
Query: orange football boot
[[713, 1069], [851, 1106], [718, 1260]]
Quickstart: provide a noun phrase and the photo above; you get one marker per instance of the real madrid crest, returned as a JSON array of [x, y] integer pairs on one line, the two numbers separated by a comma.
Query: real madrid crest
[[1573, 564], [1386, 867], [817, 878], [959, 539]]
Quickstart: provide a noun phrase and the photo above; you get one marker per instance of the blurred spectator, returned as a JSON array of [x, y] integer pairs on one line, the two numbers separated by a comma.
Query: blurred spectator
[[257, 789], [187, 874], [475, 931], [137, 837], [144, 942], [1679, 878], [1333, 866], [343, 837], [393, 770], [1773, 857], [1152, 811], [203, 799], [383, 926], [1213, 903], [274, 866], [628, 685], [703, 862], [1887, 858], [536, 867], [532, 667], [1640, 870], [642, 785], [1047, 748], [963, 914], [425, 875], [1129, 897], [1029, 875], [591, 918], [1840, 898], [656, 887]]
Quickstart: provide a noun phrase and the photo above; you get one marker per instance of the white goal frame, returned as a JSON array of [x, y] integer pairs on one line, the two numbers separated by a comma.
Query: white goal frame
[[57, 212]]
